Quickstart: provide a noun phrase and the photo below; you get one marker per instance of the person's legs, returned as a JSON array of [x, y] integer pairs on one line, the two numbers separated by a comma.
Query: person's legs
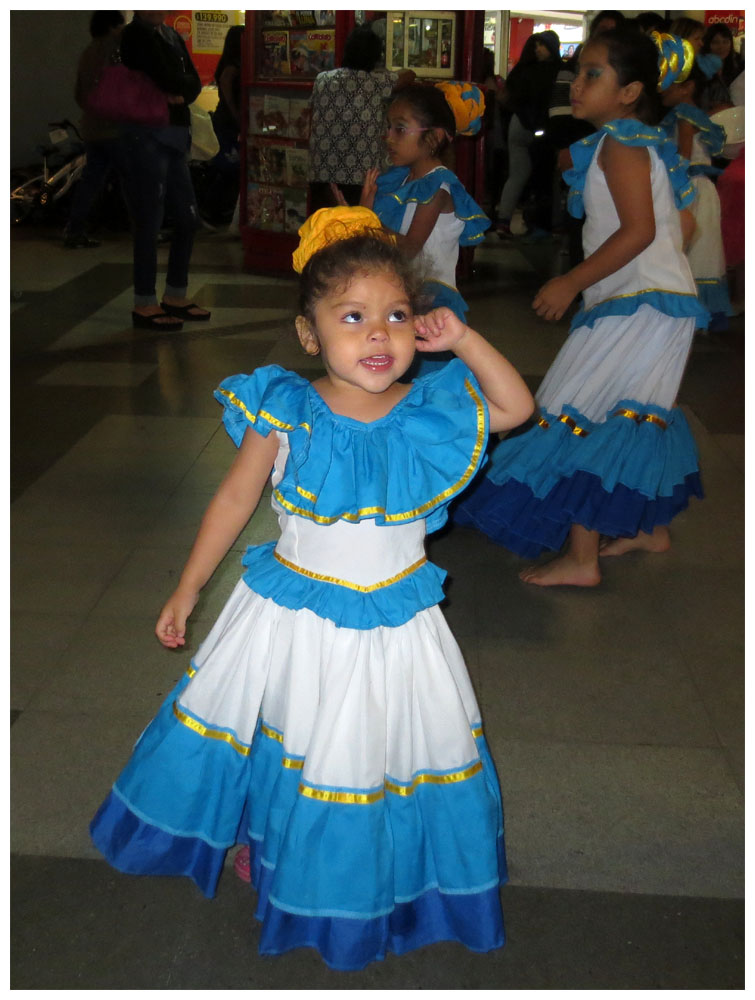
[[99, 161], [520, 166], [181, 204], [577, 567], [142, 165]]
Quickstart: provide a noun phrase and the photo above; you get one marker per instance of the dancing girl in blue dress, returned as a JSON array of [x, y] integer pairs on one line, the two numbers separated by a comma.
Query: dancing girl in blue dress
[[610, 453], [328, 721]]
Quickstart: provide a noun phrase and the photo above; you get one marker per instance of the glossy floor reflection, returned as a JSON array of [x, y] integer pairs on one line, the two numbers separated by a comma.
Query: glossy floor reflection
[[615, 716]]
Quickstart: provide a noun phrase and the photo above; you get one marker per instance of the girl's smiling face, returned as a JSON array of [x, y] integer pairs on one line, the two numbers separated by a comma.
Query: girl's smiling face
[[596, 94], [364, 330]]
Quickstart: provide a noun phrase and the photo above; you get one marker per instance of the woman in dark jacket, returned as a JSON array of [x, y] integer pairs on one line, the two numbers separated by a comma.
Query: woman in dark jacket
[[155, 174], [529, 87]]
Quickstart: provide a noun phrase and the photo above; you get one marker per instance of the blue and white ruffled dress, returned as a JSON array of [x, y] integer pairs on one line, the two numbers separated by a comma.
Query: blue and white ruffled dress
[[328, 719], [395, 204], [610, 450], [705, 252]]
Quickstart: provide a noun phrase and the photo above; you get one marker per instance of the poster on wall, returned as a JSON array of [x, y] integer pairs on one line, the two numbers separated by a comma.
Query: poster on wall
[[733, 19], [203, 32]]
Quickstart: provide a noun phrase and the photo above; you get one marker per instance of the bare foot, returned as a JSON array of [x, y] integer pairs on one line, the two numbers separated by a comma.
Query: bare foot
[[563, 570], [658, 541]]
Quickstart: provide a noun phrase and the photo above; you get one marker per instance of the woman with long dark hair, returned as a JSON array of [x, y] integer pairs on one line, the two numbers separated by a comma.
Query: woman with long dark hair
[[719, 41]]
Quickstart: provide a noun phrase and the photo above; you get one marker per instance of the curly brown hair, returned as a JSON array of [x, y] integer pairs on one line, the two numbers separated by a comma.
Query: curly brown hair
[[337, 264]]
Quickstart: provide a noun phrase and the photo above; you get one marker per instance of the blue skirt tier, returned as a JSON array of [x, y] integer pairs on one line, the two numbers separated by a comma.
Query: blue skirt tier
[[632, 471], [353, 870]]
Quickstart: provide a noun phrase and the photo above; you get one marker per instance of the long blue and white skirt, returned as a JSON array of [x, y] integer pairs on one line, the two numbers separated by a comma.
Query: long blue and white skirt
[[610, 451], [351, 761]]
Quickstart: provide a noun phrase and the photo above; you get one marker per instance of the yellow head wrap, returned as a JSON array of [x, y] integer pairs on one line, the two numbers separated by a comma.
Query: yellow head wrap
[[467, 102], [330, 225], [675, 58]]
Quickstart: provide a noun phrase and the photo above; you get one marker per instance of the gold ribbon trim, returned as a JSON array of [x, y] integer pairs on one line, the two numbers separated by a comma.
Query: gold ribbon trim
[[650, 418], [252, 417], [347, 583], [367, 798], [306, 494], [271, 734], [408, 515], [212, 734], [434, 779], [573, 426], [343, 798]]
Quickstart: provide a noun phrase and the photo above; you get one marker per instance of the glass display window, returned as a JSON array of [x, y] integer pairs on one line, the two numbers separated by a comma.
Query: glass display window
[[423, 41]]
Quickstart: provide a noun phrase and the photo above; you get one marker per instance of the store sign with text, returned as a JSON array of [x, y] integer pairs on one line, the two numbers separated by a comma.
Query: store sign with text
[[733, 19]]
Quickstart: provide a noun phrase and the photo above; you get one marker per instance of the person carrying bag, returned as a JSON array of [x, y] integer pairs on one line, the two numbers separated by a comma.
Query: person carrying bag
[[155, 173]]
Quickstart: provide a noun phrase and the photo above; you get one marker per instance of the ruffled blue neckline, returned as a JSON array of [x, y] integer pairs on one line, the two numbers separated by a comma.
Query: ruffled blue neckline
[[394, 193], [405, 466], [712, 136], [630, 132]]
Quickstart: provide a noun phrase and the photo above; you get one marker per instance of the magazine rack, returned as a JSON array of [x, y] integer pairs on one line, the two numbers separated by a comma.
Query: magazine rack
[[283, 51]]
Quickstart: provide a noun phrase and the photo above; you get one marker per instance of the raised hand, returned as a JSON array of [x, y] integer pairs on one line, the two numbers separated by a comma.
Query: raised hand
[[439, 330], [369, 188]]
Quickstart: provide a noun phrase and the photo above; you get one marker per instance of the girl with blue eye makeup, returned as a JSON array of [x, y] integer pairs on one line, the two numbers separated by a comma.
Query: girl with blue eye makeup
[[328, 722], [610, 455]]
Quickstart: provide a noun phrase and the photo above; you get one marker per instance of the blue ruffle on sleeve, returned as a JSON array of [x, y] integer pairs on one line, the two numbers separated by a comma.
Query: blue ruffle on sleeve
[[630, 132], [407, 465], [393, 195], [712, 136], [270, 399]]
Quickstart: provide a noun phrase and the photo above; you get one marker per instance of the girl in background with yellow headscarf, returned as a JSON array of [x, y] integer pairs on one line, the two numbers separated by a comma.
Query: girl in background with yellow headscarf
[[419, 198]]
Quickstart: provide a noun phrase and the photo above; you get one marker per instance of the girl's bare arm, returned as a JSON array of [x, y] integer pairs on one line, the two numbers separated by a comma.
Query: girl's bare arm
[[509, 400], [228, 512], [627, 171]]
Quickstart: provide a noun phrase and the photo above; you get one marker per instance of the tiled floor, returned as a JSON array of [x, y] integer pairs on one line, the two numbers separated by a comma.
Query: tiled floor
[[615, 715]]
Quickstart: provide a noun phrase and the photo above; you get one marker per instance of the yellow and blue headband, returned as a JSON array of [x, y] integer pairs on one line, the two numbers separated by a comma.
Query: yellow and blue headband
[[676, 57]]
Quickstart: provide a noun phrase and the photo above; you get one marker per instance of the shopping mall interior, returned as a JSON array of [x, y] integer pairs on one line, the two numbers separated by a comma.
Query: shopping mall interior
[[615, 715]]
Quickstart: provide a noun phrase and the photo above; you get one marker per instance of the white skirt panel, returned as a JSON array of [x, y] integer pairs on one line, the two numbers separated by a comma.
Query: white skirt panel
[[352, 705], [640, 357], [706, 249]]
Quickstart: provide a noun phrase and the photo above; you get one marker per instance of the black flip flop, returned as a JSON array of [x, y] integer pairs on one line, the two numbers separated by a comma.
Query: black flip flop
[[184, 312], [153, 322]]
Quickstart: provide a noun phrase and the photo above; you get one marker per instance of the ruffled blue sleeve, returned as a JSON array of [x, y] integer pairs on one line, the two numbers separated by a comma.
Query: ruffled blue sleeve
[[270, 399], [629, 132], [712, 136], [393, 195]]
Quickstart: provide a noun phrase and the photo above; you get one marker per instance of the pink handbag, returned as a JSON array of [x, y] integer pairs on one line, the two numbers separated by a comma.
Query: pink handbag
[[127, 95]]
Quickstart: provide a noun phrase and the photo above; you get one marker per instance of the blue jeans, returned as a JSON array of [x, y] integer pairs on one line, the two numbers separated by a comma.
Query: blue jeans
[[156, 177], [100, 160]]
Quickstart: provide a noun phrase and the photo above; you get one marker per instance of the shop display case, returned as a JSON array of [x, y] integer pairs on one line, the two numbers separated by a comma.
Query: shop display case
[[283, 53]]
